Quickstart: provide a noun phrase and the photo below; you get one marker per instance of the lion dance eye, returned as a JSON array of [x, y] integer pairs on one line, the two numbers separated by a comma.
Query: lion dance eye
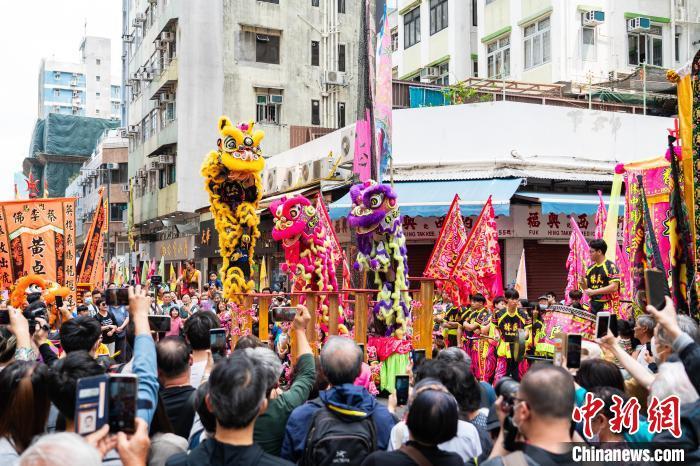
[[294, 212], [230, 143], [376, 200]]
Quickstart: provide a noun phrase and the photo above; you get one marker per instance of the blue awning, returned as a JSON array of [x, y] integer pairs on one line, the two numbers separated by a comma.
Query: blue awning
[[433, 198], [565, 203]]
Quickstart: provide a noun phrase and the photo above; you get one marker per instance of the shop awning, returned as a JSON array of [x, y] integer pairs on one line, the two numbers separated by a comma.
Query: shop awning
[[565, 203], [433, 198]]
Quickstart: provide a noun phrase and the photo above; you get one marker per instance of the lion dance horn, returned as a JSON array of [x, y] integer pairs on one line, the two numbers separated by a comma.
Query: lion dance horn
[[232, 176]]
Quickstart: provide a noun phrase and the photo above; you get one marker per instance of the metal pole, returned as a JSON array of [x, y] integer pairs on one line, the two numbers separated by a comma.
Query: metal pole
[[644, 83], [107, 213]]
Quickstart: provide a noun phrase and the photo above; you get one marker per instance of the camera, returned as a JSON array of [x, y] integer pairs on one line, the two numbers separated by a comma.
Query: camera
[[507, 387]]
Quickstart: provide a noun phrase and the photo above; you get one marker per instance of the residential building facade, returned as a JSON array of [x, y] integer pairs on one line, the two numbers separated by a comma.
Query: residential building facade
[[106, 168], [85, 88], [290, 68]]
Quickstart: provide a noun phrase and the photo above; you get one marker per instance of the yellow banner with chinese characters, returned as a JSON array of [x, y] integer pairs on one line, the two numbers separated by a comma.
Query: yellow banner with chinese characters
[[37, 236]]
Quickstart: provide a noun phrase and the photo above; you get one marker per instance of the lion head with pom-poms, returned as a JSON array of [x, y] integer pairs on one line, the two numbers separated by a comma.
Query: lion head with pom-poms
[[239, 146], [32, 288]]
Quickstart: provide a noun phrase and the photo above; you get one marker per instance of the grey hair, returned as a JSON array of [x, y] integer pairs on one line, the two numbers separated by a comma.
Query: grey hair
[[269, 362], [672, 379], [686, 324], [454, 354], [61, 448], [341, 360], [647, 322]]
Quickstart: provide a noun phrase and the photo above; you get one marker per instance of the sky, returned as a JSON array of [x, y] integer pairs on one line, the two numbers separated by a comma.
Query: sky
[[32, 30]]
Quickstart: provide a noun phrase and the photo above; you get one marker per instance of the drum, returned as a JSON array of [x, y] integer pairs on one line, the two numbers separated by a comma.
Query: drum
[[564, 319]]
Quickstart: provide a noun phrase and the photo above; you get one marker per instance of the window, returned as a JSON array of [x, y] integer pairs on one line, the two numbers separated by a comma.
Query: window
[[121, 176], [116, 211], [411, 28], [97, 111], [166, 176], [537, 43], [475, 68], [97, 61], [97, 78], [645, 48], [341, 114], [498, 58], [474, 13], [57, 92], [677, 47], [315, 112], [267, 49], [268, 107], [588, 48], [341, 6], [57, 75], [438, 15], [341, 57], [97, 94], [394, 40], [314, 53], [270, 1], [315, 2], [443, 74]]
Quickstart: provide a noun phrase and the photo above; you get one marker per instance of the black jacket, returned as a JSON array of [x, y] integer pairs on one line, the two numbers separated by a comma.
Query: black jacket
[[214, 453]]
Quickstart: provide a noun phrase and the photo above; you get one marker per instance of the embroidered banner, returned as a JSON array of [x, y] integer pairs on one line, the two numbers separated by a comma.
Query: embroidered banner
[[452, 239], [90, 261], [577, 261]]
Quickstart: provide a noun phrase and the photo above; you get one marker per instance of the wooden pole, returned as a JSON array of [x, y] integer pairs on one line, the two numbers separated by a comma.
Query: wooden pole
[[361, 311], [425, 313], [311, 334], [333, 308], [292, 343], [263, 314]]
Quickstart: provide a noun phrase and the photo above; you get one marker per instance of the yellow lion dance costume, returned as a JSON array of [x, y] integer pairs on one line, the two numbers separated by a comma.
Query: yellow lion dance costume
[[232, 175]]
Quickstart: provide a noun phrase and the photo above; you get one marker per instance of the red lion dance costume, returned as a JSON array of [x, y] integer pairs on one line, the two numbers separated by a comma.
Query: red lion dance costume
[[307, 250]]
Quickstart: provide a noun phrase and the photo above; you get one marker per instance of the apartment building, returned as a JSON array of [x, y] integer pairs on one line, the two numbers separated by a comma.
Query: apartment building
[[83, 88], [543, 41], [106, 168], [290, 68], [434, 40]]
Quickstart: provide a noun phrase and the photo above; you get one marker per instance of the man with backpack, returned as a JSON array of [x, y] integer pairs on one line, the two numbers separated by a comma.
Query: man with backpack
[[345, 423]]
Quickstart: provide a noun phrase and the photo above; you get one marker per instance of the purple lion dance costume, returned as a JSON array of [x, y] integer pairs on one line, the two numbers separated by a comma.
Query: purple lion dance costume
[[382, 250]]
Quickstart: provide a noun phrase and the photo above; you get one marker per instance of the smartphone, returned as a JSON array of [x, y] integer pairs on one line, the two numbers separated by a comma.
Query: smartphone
[[156, 280], [613, 324], [573, 350], [117, 296], [656, 287], [418, 356], [59, 301], [284, 314], [4, 317], [159, 323], [122, 403], [90, 402], [217, 338], [602, 324], [401, 390]]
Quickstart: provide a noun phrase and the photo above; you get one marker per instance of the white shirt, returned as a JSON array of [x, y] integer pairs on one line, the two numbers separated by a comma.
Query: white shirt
[[197, 372], [466, 443]]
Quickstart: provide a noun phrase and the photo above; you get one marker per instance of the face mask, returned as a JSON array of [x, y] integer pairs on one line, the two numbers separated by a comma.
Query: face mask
[[88, 300]]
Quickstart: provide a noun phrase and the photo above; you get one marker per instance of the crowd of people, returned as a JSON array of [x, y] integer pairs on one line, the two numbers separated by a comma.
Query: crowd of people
[[474, 400]]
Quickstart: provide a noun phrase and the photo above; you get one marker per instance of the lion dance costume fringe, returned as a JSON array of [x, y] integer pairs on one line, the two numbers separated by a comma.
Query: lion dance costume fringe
[[232, 175], [308, 251]]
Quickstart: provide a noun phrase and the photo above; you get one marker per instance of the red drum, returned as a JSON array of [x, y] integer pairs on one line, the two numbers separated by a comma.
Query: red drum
[[564, 319]]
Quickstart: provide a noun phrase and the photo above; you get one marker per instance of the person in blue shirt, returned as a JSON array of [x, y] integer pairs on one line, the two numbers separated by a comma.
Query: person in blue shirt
[[121, 314], [214, 281]]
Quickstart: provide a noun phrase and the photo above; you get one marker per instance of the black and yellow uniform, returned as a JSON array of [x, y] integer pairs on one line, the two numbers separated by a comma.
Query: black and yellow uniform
[[599, 276], [455, 314]]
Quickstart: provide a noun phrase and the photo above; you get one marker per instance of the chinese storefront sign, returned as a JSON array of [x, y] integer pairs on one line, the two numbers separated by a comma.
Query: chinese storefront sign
[[37, 236], [175, 249]]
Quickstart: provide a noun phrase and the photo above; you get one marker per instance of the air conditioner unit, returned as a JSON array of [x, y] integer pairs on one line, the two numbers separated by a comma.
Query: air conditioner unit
[[140, 18], [136, 75], [123, 132], [639, 24], [276, 99], [159, 44], [335, 77], [147, 76], [133, 128], [166, 159], [270, 181], [74, 82], [593, 18], [125, 188], [140, 173], [153, 166], [305, 174], [430, 72], [322, 169], [166, 97], [167, 36], [262, 99], [111, 166], [289, 179]]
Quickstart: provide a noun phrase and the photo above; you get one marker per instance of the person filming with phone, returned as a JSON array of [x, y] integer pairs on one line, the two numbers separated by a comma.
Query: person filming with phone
[[602, 282]]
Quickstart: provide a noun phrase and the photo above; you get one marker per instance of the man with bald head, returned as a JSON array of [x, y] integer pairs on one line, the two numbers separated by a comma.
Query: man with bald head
[[543, 417], [341, 361]]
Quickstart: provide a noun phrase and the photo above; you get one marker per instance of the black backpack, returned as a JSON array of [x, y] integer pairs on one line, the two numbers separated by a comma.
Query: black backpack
[[334, 441]]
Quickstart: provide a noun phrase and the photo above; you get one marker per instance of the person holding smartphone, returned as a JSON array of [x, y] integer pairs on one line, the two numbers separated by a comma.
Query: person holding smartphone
[[602, 282]]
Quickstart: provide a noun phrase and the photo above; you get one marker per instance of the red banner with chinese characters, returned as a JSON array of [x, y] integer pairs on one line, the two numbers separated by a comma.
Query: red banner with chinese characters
[[478, 266], [37, 236], [453, 237], [91, 263]]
